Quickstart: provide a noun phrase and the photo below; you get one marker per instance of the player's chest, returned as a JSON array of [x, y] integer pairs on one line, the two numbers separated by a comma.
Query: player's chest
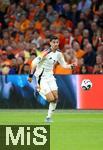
[[51, 58]]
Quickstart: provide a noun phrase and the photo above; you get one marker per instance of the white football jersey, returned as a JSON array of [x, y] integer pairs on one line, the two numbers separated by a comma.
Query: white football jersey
[[47, 63]]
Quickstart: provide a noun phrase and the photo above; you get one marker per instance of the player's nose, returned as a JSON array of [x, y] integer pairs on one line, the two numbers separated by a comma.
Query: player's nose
[[56, 44]]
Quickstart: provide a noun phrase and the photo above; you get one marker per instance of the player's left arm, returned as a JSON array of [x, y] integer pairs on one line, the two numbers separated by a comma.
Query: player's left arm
[[63, 63]]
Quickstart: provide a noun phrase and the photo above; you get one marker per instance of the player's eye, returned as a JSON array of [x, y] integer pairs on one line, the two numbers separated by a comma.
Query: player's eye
[[56, 41]]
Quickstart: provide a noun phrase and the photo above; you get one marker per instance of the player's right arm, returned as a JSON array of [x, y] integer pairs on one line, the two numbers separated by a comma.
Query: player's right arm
[[63, 63], [34, 64]]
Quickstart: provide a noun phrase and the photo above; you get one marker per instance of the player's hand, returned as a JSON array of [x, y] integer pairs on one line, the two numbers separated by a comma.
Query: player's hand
[[30, 79]]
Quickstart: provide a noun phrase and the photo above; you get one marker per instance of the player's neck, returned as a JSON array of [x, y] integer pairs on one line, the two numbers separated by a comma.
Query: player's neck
[[53, 50]]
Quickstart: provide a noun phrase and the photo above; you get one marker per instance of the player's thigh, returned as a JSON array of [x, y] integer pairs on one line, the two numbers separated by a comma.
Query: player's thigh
[[45, 89], [55, 94], [53, 85], [50, 97]]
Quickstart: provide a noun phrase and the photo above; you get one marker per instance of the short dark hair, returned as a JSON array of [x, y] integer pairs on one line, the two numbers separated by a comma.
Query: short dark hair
[[52, 37]]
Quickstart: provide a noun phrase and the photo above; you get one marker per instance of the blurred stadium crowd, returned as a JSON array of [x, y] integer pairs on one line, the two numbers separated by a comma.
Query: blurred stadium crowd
[[26, 25]]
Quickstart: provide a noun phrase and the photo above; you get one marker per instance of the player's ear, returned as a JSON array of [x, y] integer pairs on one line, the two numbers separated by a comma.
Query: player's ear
[[50, 43]]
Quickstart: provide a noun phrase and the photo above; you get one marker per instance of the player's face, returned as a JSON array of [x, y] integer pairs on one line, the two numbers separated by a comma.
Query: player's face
[[54, 44]]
